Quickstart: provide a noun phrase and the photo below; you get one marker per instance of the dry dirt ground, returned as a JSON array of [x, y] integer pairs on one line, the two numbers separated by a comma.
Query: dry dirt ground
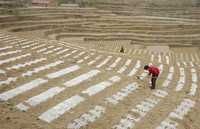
[[88, 84]]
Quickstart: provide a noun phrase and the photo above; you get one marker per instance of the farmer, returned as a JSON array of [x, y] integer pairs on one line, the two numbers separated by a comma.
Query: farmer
[[122, 49], [154, 72]]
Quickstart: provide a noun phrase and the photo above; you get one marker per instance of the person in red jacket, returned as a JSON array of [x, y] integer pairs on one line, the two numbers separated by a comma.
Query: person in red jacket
[[154, 72]]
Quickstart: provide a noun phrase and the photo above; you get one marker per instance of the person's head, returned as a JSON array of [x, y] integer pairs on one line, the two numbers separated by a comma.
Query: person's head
[[146, 67]]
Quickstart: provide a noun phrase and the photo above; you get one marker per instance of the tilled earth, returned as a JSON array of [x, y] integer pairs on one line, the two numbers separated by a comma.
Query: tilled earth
[[53, 84]]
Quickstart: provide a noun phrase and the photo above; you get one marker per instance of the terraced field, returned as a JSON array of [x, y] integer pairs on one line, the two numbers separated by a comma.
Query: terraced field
[[61, 68]]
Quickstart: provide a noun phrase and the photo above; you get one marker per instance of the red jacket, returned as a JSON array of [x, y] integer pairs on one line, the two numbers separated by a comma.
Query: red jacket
[[153, 70]]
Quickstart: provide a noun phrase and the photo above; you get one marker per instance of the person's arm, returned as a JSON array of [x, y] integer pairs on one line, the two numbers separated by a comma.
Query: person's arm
[[149, 75], [150, 72]]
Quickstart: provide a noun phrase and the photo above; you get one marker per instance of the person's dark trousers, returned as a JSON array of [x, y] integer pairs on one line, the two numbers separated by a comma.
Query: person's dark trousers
[[153, 81]]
